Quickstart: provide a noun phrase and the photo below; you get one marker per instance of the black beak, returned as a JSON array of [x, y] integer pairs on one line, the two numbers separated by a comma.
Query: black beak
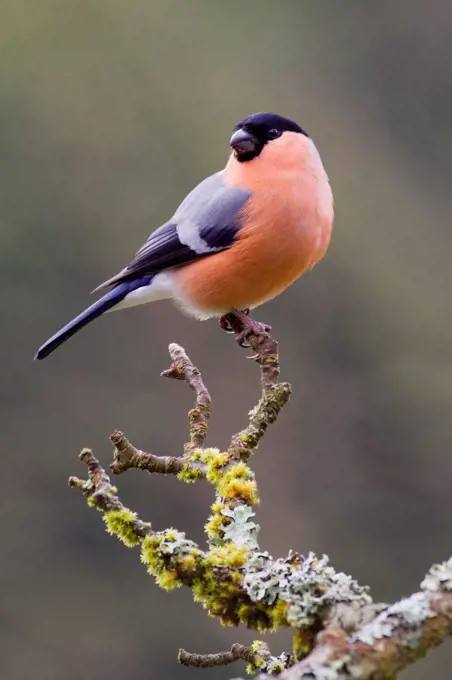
[[244, 143]]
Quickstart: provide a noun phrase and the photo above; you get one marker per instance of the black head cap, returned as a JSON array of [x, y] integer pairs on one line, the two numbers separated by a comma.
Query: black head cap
[[251, 134]]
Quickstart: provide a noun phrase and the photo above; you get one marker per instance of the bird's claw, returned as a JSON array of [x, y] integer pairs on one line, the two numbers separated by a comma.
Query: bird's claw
[[253, 328], [240, 323], [225, 324], [225, 320]]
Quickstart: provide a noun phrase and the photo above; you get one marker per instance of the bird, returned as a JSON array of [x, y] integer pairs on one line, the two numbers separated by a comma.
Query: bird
[[239, 238]]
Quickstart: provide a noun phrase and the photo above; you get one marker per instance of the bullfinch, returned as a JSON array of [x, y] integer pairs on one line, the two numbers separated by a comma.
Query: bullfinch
[[238, 239]]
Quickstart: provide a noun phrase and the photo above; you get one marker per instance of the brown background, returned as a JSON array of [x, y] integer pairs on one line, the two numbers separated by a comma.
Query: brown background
[[110, 112]]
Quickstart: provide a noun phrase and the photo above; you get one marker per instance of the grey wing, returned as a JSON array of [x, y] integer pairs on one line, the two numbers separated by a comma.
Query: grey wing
[[206, 221]]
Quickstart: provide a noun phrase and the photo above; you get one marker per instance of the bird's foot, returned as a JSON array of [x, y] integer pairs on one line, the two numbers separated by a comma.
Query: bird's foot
[[229, 324], [240, 323]]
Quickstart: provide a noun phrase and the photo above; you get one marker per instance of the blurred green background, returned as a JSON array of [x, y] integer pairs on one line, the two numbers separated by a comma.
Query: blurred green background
[[110, 112]]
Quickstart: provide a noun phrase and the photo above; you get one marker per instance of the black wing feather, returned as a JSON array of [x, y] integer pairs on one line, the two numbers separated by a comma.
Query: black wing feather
[[162, 250]]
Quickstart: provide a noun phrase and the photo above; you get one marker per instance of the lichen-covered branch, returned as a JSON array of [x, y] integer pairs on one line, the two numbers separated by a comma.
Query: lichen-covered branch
[[102, 495], [234, 481], [233, 581], [338, 631], [398, 636]]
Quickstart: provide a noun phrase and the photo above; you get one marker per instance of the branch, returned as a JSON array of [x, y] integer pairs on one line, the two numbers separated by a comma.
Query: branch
[[400, 635], [257, 656], [338, 631]]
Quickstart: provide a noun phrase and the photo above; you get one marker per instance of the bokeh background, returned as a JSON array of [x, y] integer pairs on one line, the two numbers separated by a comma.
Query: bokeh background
[[110, 112]]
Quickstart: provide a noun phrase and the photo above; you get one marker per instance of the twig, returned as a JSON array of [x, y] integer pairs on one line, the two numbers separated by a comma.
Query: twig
[[182, 368], [274, 395], [257, 655], [126, 456], [263, 344], [100, 493], [273, 400], [236, 653]]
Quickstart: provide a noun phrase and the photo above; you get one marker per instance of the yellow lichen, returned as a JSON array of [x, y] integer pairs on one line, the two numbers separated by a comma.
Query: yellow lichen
[[214, 526], [156, 562], [217, 507], [120, 523], [215, 467], [278, 614], [216, 597], [301, 644], [221, 593], [227, 556], [258, 662], [244, 612], [189, 474], [237, 471], [187, 564], [169, 557], [207, 455], [244, 490], [150, 553], [217, 521], [168, 580], [203, 587]]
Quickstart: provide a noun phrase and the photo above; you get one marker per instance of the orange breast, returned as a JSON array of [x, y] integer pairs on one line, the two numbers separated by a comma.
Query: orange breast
[[286, 229]]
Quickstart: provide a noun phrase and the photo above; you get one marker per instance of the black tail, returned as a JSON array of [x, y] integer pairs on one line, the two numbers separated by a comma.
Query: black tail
[[105, 303]]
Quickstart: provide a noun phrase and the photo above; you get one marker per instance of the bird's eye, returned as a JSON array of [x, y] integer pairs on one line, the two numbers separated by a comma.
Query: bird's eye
[[274, 133]]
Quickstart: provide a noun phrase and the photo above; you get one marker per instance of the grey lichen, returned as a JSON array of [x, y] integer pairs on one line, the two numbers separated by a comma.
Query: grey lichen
[[173, 542], [336, 671], [241, 531], [275, 664], [412, 611], [171, 558], [375, 630], [264, 577], [439, 578], [308, 585], [407, 615]]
